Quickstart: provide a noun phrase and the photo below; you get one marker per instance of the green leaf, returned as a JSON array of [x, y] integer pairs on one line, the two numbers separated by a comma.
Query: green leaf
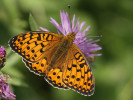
[[33, 25]]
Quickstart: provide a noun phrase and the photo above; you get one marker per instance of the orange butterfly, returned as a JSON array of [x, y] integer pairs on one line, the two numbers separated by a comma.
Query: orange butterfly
[[57, 58]]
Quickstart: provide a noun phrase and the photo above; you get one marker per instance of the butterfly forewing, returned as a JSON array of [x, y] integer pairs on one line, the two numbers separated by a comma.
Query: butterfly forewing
[[33, 45], [77, 73]]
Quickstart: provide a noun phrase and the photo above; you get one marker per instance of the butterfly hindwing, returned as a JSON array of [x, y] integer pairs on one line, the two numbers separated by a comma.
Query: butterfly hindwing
[[38, 68], [33, 45], [54, 77], [77, 73]]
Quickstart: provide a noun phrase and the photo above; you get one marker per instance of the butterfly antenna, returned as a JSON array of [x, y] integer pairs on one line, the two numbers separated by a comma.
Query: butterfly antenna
[[69, 15], [87, 35], [98, 36], [69, 10]]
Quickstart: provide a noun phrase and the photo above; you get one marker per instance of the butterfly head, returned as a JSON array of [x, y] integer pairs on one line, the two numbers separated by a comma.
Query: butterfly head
[[71, 35]]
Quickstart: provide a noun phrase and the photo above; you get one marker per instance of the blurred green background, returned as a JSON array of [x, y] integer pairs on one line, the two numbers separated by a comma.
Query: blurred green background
[[113, 70]]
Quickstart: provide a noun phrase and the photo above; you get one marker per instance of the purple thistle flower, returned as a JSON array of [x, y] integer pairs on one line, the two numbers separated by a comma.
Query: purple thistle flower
[[4, 88], [2, 51], [67, 26], [2, 56]]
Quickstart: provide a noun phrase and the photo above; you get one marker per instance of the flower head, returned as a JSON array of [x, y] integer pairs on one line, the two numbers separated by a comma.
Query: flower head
[[4, 88], [2, 56], [87, 46], [2, 51]]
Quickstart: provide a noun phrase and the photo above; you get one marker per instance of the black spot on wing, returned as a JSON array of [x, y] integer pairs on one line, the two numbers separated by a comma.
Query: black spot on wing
[[39, 37], [47, 37], [33, 69]]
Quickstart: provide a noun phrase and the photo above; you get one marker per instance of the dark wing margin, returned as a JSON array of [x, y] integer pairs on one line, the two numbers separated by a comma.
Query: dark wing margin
[[38, 68]]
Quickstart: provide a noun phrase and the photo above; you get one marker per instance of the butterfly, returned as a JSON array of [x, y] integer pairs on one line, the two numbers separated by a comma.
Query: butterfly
[[57, 58]]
